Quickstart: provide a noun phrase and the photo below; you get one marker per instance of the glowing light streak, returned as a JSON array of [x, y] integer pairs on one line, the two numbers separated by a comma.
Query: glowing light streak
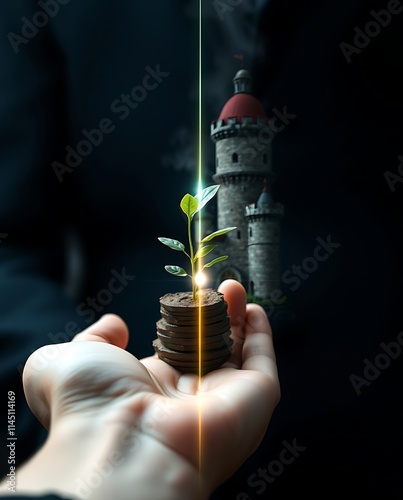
[[200, 263]]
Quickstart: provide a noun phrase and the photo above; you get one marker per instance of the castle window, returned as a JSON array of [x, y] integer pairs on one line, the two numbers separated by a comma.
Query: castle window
[[265, 158], [251, 288], [238, 235], [234, 157], [228, 274], [250, 232]]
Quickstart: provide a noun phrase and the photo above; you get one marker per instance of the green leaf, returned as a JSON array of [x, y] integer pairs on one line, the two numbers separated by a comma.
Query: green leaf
[[206, 195], [209, 237], [176, 270], [189, 205], [174, 244], [216, 261], [202, 251]]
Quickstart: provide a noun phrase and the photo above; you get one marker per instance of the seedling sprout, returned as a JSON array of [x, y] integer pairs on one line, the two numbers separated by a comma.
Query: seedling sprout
[[190, 206]]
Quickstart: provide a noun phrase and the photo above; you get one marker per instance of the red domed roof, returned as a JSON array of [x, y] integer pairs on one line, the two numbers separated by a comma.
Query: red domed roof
[[240, 105]]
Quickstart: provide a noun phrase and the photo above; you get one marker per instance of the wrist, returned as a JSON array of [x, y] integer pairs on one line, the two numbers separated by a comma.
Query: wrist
[[58, 464], [100, 460]]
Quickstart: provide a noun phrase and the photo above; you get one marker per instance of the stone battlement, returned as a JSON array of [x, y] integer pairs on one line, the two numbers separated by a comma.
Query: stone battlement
[[230, 127], [253, 212]]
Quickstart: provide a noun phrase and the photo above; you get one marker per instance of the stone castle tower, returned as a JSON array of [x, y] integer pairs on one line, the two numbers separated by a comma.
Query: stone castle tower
[[243, 169]]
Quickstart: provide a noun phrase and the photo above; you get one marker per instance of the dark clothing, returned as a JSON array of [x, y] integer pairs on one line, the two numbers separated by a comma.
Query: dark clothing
[[24, 497], [64, 241]]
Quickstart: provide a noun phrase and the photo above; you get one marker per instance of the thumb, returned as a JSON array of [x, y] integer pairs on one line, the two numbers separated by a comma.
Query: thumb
[[110, 329]]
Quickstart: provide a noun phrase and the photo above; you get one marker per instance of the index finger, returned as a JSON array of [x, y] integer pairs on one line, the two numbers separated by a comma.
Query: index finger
[[258, 350], [110, 329], [235, 296]]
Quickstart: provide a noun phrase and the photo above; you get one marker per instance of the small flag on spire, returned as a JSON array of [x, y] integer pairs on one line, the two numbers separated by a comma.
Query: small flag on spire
[[240, 57]]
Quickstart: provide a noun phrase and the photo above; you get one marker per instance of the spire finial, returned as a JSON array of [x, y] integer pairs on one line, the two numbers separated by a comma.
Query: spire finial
[[242, 82]]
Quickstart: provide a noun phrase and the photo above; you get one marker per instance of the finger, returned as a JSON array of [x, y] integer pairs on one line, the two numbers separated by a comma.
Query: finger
[[110, 329], [235, 296], [258, 350]]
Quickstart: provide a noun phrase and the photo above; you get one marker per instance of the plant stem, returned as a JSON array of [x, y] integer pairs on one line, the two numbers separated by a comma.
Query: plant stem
[[191, 259]]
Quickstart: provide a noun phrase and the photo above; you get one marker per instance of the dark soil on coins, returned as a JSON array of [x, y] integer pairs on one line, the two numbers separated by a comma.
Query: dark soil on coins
[[179, 335]]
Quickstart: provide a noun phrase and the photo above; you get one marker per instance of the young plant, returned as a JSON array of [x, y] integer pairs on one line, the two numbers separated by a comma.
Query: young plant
[[190, 206]]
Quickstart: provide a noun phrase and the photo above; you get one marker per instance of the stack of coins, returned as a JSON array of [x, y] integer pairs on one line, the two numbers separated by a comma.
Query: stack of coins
[[192, 331]]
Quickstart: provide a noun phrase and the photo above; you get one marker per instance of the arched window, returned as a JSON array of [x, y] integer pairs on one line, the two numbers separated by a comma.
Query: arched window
[[238, 235], [250, 232], [234, 157], [228, 274]]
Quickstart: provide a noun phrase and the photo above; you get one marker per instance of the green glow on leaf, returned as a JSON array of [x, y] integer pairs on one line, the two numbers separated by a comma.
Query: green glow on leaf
[[206, 195], [203, 251], [189, 205], [215, 261], [209, 237]]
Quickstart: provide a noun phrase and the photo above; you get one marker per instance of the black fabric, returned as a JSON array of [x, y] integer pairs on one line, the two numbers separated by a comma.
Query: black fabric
[[41, 497], [331, 162]]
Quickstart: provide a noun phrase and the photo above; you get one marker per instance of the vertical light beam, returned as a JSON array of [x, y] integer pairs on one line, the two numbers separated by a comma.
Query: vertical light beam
[[200, 360], [200, 167]]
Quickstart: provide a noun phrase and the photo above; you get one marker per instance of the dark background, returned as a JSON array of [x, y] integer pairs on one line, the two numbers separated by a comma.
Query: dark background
[[330, 162]]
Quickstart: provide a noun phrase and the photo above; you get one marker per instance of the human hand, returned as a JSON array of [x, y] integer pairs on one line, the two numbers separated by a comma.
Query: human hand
[[139, 428], [233, 403]]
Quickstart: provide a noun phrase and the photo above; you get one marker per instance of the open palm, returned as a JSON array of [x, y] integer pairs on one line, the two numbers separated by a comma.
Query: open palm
[[211, 424]]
